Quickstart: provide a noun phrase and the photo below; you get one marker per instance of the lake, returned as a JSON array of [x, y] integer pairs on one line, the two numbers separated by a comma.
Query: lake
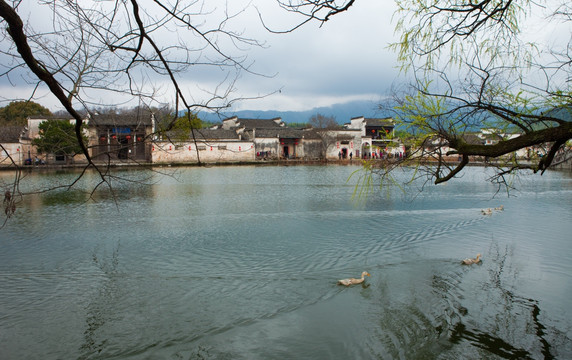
[[242, 263]]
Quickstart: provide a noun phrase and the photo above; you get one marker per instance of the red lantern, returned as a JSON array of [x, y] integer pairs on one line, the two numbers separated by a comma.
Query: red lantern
[[128, 137], [114, 137], [138, 138], [102, 139]]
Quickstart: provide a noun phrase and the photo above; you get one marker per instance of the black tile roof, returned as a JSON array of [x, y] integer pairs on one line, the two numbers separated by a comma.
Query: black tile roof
[[121, 120], [250, 124], [281, 132], [379, 122], [472, 139], [11, 134], [218, 134]]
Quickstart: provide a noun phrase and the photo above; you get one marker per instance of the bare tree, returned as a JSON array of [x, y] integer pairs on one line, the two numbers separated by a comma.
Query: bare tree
[[320, 121], [324, 126], [137, 50]]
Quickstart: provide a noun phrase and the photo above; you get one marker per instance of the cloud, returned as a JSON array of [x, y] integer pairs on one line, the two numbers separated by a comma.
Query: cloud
[[301, 102], [343, 60]]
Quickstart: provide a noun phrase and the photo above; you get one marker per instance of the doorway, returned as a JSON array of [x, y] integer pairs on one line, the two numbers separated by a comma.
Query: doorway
[[123, 152]]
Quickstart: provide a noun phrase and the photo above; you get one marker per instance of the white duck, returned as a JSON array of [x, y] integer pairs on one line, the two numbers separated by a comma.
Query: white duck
[[487, 211], [470, 261], [352, 281]]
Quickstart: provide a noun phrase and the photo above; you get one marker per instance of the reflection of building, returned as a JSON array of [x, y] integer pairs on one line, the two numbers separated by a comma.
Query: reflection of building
[[120, 137]]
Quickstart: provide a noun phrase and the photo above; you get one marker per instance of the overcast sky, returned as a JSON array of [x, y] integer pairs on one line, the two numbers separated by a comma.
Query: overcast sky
[[345, 59]]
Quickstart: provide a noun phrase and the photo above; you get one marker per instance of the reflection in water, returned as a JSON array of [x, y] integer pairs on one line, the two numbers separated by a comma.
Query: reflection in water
[[487, 342], [446, 309], [99, 308], [540, 331], [242, 263], [512, 312]]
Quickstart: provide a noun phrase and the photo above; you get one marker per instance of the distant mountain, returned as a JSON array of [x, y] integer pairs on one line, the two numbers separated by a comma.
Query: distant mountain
[[341, 112]]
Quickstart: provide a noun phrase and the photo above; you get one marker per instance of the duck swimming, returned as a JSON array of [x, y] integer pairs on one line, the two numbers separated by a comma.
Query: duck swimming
[[487, 211], [352, 281], [470, 261]]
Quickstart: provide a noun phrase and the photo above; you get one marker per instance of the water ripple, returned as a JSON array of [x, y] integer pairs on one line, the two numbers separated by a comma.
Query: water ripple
[[246, 267]]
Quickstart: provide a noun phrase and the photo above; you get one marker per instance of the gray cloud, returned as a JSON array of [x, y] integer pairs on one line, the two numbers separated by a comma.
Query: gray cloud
[[345, 59]]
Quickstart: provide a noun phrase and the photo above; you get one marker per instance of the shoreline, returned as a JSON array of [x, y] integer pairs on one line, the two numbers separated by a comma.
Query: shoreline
[[280, 162]]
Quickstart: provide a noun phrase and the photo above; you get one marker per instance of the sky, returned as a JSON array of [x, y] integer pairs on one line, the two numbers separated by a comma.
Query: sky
[[318, 65], [345, 59]]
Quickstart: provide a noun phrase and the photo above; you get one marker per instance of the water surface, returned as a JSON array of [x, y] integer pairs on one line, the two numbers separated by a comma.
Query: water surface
[[242, 263]]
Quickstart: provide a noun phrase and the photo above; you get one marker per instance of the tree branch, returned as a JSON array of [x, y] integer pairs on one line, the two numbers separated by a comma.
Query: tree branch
[[16, 31]]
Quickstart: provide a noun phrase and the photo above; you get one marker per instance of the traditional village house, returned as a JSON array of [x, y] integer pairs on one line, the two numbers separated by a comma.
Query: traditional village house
[[484, 137], [240, 140], [13, 151], [274, 140], [435, 145], [33, 132], [204, 145], [120, 137], [109, 137], [491, 136], [341, 144], [263, 133], [374, 138], [132, 138]]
